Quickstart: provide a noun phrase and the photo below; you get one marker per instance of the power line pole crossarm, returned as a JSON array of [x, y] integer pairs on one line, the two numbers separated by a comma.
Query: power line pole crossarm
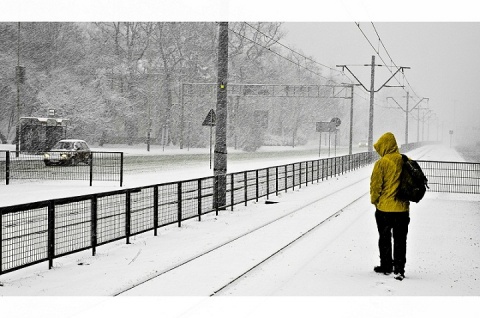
[[407, 112], [372, 92]]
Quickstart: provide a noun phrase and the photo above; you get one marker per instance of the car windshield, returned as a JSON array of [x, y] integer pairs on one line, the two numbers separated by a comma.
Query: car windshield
[[63, 145]]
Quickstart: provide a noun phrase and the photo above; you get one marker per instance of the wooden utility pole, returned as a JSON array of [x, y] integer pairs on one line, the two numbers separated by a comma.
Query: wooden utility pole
[[220, 155]]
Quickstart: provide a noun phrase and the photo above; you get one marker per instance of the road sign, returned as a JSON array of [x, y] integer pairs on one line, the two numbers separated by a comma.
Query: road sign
[[210, 119], [325, 126], [336, 120]]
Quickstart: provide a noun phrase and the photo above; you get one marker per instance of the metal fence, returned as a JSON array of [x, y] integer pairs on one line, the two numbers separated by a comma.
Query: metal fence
[[452, 177], [100, 166], [42, 231]]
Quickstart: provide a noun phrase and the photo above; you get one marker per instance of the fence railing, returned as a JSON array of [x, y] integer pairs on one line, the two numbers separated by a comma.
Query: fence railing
[[414, 145], [42, 231], [452, 177], [99, 166]]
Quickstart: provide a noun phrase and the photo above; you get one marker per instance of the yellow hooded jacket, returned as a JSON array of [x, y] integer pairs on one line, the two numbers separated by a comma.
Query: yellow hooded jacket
[[385, 177]]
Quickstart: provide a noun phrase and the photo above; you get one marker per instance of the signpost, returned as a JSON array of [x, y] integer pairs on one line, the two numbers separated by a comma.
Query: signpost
[[210, 120], [324, 126], [337, 122], [327, 126]]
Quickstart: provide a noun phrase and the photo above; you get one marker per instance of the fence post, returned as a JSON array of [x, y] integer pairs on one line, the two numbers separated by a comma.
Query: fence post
[[1, 241], [94, 225], [293, 177], [245, 187], [306, 173], [51, 233], [334, 166], [7, 168], [199, 199], [276, 180], [232, 199], [155, 210], [313, 177], [215, 194], [128, 216], [256, 185], [91, 168], [179, 206], [285, 178], [300, 176], [268, 182], [121, 169], [325, 170]]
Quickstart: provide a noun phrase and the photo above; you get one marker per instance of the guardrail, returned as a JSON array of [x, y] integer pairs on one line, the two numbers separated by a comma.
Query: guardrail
[[99, 166], [42, 231]]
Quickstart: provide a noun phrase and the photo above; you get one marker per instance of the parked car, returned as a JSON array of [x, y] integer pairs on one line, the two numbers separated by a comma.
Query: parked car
[[363, 144], [68, 152]]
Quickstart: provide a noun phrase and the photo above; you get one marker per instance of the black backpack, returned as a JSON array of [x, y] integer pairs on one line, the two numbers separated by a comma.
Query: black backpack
[[413, 183]]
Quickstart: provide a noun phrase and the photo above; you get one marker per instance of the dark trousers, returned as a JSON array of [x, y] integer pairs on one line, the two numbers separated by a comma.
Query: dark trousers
[[395, 223]]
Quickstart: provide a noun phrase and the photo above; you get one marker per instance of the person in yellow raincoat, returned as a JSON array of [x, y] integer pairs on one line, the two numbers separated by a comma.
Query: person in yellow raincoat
[[392, 216]]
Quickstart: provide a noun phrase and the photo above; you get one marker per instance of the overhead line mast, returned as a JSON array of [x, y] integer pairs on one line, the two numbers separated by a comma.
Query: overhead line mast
[[372, 92], [220, 154]]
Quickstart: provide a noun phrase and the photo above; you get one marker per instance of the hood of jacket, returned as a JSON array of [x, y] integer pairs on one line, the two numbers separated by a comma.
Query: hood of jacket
[[385, 178], [386, 144]]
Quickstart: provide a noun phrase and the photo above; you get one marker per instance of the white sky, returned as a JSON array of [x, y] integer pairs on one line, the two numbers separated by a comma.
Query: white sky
[[442, 56]]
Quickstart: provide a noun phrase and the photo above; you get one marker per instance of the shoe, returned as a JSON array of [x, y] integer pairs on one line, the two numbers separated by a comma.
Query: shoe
[[399, 276], [382, 269]]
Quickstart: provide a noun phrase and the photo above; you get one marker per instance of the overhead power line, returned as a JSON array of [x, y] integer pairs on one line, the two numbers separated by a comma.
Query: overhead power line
[[295, 52], [291, 50], [280, 55], [386, 51]]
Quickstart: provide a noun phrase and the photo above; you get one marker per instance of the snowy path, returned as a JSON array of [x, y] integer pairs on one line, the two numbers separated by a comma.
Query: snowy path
[[443, 258], [337, 260], [254, 247]]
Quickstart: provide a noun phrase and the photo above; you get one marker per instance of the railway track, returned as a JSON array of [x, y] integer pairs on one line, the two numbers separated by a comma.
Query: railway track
[[247, 252]]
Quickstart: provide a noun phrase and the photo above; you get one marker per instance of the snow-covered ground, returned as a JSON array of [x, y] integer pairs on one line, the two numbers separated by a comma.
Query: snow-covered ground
[[330, 267], [25, 191]]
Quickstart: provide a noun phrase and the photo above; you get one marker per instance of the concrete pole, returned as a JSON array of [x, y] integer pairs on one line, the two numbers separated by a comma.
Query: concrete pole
[[220, 156], [418, 124], [17, 130], [351, 122], [149, 106], [370, 118], [182, 116], [406, 120]]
